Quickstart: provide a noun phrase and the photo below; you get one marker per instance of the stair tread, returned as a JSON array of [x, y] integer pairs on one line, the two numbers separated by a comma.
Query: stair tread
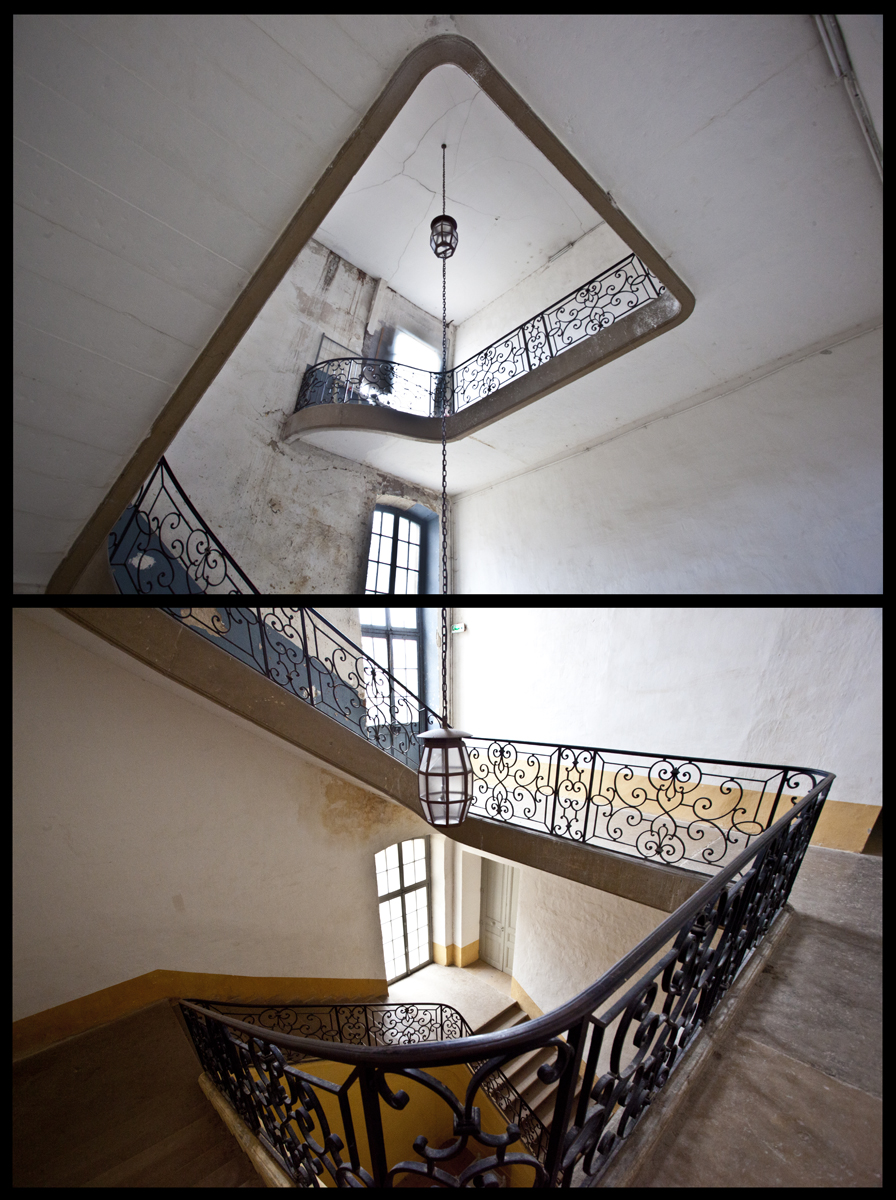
[[237, 1172], [180, 1159], [509, 1016], [522, 1069]]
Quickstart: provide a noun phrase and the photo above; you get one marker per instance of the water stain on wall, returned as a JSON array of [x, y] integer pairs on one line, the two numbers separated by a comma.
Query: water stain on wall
[[354, 811]]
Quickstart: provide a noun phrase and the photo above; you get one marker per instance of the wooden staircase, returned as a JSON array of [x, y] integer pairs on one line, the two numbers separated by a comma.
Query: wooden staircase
[[121, 1106]]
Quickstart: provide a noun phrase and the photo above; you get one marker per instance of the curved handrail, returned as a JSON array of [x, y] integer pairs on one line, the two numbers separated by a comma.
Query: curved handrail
[[377, 381], [615, 292], [407, 1022], [161, 543], [537, 1031]]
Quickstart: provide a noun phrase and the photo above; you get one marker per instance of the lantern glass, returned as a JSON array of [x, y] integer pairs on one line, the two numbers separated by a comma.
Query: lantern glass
[[443, 238], [445, 778]]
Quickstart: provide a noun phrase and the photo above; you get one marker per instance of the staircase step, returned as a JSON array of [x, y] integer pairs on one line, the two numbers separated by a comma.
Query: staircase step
[[545, 1107], [238, 1172], [522, 1071], [183, 1159], [509, 1017]]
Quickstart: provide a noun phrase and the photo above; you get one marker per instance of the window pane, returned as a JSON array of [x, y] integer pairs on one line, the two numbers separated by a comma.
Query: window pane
[[403, 618], [413, 850], [404, 654], [372, 616], [404, 919]]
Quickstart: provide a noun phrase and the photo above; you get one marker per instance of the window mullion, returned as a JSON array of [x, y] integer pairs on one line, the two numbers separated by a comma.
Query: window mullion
[[394, 563]]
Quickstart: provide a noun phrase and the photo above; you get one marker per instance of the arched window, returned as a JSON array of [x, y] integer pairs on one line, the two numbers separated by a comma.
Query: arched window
[[395, 565], [402, 884]]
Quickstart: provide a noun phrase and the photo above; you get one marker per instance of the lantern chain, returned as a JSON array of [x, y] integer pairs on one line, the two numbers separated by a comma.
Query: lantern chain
[[444, 476]]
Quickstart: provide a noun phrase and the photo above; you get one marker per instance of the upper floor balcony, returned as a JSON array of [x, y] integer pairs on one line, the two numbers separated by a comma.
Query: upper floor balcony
[[514, 370]]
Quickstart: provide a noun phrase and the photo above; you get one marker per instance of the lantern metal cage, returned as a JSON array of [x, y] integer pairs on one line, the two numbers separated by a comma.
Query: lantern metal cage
[[445, 777], [443, 238]]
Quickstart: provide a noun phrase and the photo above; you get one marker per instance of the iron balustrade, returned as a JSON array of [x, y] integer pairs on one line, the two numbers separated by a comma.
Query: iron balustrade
[[687, 811], [624, 1039], [381, 1024], [161, 544], [304, 653], [692, 812], [373, 381], [614, 293]]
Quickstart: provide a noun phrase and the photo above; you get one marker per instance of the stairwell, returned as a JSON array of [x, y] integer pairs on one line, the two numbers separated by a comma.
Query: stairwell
[[121, 1106]]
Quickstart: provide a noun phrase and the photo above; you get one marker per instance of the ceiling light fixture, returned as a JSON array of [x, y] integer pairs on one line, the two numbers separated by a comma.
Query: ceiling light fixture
[[445, 775]]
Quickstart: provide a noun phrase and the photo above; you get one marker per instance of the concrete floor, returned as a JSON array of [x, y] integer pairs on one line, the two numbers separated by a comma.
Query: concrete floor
[[794, 1100], [478, 992]]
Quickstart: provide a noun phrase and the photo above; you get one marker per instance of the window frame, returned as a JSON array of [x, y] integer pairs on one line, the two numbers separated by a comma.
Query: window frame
[[422, 563], [402, 891], [389, 633]]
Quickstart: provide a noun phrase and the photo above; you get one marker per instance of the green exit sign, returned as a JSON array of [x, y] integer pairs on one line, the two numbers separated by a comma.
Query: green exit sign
[[458, 628]]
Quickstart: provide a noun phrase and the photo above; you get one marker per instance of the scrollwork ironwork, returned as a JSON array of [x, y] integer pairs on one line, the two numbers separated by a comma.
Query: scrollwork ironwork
[[161, 545], [612, 294], [668, 809], [302, 652], [641, 1017], [665, 808]]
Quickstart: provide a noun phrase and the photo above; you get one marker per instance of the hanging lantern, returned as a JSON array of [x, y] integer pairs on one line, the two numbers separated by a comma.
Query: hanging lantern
[[445, 777], [443, 238]]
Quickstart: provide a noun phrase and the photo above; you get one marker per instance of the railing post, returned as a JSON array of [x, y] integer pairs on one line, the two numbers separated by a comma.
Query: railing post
[[550, 827], [307, 658], [263, 636], [771, 819], [526, 347], [566, 1090], [373, 1122], [588, 799]]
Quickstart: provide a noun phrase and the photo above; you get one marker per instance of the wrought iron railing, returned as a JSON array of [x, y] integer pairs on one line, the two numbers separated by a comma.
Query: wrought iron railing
[[614, 293], [161, 545], [624, 1039], [381, 1024], [372, 381], [303, 652], [694, 812]]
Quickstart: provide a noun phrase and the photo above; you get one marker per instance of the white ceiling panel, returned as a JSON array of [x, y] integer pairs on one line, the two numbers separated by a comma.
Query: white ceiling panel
[[158, 157]]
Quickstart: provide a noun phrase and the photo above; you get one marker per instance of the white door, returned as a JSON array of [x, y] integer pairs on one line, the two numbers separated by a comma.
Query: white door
[[497, 914]]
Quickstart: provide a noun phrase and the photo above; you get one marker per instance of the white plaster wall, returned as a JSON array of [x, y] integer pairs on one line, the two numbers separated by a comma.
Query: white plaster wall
[[800, 686], [568, 935], [770, 488], [295, 517], [441, 871], [467, 875], [154, 830], [596, 250], [393, 312]]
